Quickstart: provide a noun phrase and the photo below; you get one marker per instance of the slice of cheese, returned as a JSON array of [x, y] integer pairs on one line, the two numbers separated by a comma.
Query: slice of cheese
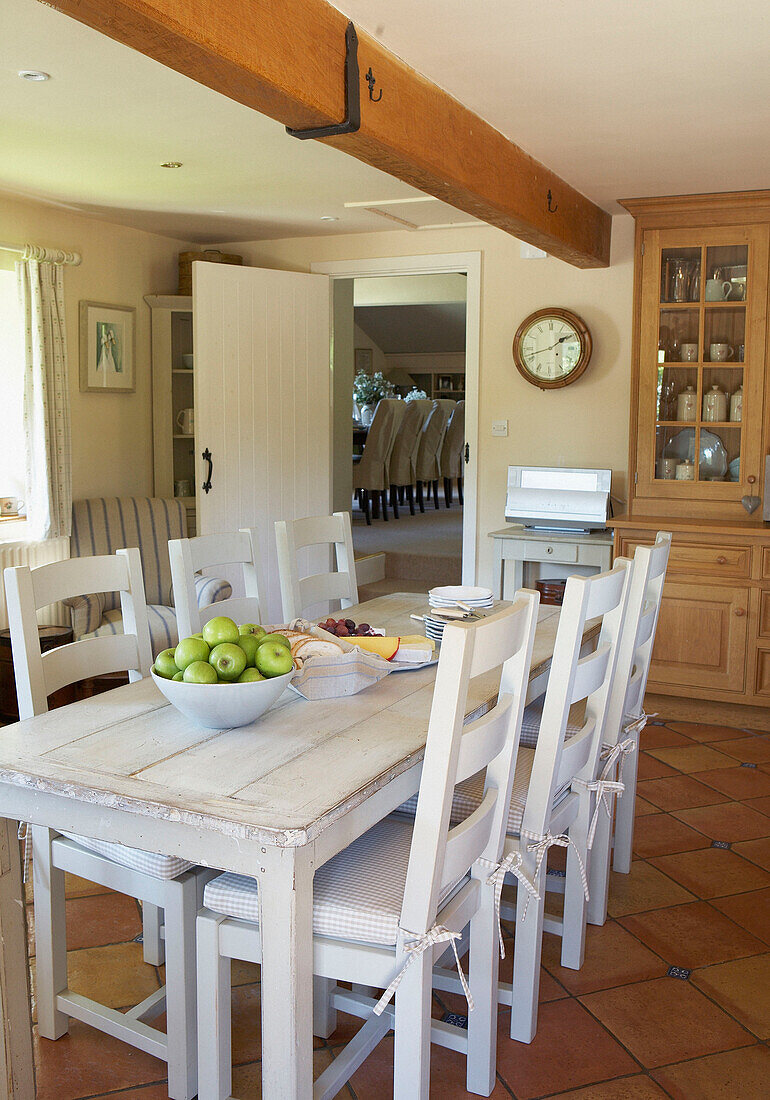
[[383, 647]]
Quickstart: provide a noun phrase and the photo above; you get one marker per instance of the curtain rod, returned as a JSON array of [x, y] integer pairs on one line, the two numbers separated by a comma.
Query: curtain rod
[[35, 252]]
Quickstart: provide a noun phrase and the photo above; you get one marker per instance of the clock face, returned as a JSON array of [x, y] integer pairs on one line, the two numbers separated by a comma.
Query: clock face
[[552, 348]]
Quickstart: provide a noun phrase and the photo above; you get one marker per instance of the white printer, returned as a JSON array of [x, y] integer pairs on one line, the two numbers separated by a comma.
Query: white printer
[[558, 499]]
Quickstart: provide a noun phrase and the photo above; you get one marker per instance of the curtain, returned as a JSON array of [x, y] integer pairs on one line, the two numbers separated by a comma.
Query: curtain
[[46, 399]]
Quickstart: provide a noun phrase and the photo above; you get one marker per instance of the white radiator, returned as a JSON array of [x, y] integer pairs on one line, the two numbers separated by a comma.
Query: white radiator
[[34, 554]]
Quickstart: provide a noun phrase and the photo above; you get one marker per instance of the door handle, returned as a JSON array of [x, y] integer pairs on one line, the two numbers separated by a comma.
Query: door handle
[[467, 454], [206, 456]]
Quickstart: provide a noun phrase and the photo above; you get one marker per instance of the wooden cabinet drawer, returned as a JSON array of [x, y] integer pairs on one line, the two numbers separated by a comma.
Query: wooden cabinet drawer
[[764, 569], [762, 675], [702, 637], [732, 562]]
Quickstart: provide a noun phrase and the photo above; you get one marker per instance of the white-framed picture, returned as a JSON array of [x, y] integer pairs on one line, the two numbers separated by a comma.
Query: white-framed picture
[[107, 348]]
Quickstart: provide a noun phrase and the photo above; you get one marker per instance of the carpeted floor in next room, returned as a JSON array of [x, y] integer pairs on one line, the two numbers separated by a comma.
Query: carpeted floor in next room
[[622, 1028], [421, 551]]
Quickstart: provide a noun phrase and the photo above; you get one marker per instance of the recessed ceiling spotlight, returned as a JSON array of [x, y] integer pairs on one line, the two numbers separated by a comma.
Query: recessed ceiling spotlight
[[171, 164], [329, 218], [33, 74]]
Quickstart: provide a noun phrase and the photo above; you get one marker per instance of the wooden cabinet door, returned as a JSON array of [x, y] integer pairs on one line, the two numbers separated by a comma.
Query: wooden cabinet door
[[702, 638]]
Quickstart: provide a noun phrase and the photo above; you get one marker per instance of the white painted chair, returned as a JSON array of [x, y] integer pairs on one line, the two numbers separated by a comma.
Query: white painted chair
[[626, 719], [162, 883], [190, 556], [402, 894], [299, 593]]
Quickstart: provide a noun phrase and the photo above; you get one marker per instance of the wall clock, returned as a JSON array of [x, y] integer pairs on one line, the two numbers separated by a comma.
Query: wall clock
[[552, 348]]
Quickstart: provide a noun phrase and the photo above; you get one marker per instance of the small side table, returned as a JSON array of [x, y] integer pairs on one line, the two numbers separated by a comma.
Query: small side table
[[50, 638], [519, 545]]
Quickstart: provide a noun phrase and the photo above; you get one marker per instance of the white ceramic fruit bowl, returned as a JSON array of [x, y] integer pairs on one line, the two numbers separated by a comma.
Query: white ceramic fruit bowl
[[222, 706]]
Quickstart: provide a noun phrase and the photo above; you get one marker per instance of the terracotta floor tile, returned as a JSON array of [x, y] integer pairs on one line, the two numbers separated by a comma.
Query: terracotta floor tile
[[246, 1031], [660, 833], [587, 1054], [730, 821], [116, 976], [761, 804], [622, 1088], [642, 807], [247, 1079], [742, 988], [701, 731], [613, 957], [692, 935], [712, 872], [678, 792], [550, 989], [661, 737], [737, 782], [644, 888], [95, 920], [641, 1017], [735, 1075], [751, 750], [147, 1092], [650, 768], [758, 851], [374, 1080], [86, 1062], [243, 973], [692, 758], [751, 911]]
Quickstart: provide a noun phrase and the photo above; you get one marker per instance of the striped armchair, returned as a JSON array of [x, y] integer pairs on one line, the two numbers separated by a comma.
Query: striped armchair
[[104, 525]]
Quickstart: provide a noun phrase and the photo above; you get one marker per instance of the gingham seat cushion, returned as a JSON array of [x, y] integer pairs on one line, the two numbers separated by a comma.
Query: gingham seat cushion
[[149, 863], [533, 716], [356, 896], [469, 793], [162, 620]]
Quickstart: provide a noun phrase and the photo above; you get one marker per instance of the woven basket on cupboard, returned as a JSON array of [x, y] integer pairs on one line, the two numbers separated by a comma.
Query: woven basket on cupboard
[[210, 255]]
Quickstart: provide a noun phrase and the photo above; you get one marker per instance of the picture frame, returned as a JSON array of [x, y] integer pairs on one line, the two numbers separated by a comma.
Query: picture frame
[[107, 348], [445, 381], [364, 360]]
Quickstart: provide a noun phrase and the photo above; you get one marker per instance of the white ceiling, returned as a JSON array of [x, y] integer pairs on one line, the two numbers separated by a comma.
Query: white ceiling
[[620, 98]]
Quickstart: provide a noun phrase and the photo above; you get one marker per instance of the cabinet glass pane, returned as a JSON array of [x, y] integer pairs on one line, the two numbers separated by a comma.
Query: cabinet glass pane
[[680, 272], [719, 446], [725, 335], [674, 453], [726, 273], [678, 336], [674, 381]]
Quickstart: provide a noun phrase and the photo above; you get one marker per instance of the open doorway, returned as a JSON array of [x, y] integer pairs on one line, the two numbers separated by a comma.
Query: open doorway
[[412, 324]]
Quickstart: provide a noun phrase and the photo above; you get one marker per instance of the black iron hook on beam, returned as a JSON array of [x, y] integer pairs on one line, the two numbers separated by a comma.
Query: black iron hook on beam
[[551, 208], [352, 120], [371, 80]]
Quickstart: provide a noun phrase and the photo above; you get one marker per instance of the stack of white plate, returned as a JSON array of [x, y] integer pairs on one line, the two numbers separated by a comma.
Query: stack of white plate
[[449, 595]]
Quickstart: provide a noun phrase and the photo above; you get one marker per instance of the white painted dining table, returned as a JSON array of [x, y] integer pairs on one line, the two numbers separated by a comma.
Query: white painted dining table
[[275, 799]]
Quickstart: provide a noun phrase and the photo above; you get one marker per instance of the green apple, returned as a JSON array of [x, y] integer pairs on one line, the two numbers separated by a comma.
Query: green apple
[[281, 639], [250, 676], [219, 630], [228, 660], [189, 650], [252, 628], [165, 665], [274, 659], [249, 643], [199, 672], [179, 676]]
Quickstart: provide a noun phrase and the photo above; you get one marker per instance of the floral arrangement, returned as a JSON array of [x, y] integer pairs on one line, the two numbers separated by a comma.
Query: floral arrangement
[[416, 395], [368, 389]]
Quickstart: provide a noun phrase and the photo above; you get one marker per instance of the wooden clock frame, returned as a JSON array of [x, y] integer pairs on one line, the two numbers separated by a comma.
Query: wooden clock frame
[[586, 347]]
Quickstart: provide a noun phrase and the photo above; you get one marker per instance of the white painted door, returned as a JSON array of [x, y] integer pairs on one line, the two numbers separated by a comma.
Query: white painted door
[[262, 405]]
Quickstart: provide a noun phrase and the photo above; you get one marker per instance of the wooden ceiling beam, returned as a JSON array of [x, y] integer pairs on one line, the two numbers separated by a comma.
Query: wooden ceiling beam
[[285, 58]]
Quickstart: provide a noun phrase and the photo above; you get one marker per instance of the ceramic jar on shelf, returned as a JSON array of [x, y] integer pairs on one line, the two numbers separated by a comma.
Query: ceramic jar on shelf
[[736, 405], [715, 405], [686, 404]]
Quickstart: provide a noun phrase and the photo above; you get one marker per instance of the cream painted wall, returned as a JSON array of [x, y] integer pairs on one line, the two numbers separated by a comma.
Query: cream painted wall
[[111, 433], [585, 424], [361, 340]]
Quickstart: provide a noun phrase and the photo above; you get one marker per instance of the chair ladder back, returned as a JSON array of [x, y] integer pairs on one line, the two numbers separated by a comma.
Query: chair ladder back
[[297, 593], [455, 752], [38, 674], [190, 556], [605, 595]]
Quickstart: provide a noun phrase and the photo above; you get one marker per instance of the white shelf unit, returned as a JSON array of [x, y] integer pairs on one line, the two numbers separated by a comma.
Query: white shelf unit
[[173, 388]]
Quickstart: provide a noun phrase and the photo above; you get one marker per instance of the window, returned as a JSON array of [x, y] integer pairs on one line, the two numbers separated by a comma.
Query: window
[[12, 461]]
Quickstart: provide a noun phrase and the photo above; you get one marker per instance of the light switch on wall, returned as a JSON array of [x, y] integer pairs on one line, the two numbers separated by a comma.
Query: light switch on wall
[[499, 427]]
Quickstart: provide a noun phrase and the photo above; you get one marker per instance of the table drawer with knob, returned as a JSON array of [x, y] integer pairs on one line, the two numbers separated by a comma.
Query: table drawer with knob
[[548, 551]]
